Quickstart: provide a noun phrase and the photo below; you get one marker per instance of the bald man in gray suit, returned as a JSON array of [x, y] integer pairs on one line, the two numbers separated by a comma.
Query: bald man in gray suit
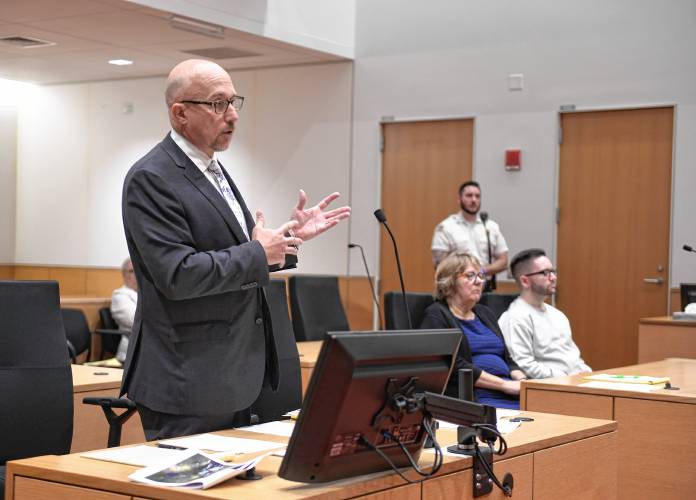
[[202, 344]]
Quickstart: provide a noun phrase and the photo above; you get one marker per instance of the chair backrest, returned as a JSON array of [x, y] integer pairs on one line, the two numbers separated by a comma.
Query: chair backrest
[[315, 302], [270, 406], [688, 294], [498, 302], [76, 330], [36, 411], [395, 313], [109, 342]]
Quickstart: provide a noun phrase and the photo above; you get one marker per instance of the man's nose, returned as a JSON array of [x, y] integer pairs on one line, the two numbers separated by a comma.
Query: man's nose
[[231, 114]]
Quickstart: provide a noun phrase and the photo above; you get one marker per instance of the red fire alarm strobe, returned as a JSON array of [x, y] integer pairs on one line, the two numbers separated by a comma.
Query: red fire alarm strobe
[[513, 159]]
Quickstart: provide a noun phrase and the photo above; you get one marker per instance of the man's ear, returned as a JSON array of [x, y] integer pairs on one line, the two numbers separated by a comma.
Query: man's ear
[[178, 111], [524, 282]]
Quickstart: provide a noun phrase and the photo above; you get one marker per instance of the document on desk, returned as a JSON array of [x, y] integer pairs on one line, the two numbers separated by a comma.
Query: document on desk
[[231, 445], [141, 455], [626, 379], [503, 421], [616, 386], [193, 469], [280, 428]]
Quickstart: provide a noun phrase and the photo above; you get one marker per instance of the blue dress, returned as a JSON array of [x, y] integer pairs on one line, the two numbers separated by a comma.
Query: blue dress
[[487, 353]]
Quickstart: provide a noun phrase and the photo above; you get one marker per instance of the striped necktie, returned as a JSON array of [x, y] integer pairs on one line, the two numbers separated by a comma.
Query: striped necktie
[[227, 193]]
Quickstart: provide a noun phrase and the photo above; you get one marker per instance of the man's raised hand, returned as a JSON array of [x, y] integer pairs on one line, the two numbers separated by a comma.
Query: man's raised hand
[[313, 221], [275, 243]]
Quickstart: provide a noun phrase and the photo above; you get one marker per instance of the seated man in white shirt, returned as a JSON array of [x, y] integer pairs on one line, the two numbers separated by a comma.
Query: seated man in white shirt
[[123, 302], [537, 334]]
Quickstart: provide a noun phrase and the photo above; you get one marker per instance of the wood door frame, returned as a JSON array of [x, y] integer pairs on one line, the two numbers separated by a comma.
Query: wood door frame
[[557, 174], [387, 120]]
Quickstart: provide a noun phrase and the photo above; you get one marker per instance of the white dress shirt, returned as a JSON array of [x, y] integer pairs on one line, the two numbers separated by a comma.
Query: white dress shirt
[[123, 303]]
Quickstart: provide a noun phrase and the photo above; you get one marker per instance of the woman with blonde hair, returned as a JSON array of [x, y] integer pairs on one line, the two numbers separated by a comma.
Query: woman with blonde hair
[[458, 286]]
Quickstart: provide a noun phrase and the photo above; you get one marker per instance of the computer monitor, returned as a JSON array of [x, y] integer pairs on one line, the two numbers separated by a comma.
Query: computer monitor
[[345, 402], [688, 294]]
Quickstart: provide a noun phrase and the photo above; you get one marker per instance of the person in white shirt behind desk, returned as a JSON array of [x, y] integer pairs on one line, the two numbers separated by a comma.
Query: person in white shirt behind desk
[[538, 335], [123, 302]]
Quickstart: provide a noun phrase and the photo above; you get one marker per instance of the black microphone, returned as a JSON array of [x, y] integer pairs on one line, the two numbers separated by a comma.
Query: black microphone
[[369, 279], [382, 219], [491, 282], [688, 248]]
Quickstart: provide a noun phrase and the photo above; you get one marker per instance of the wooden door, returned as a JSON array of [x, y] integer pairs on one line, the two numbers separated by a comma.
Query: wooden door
[[423, 165], [613, 232]]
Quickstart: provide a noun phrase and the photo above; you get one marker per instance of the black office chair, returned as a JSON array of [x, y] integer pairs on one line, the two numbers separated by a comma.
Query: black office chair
[[111, 336], [316, 307], [109, 332], [270, 406], [688, 294], [36, 409], [76, 332], [395, 313], [498, 302]]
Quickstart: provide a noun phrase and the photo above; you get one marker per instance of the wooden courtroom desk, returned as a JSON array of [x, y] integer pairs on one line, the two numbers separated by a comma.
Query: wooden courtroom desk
[[553, 457], [309, 352], [657, 437], [663, 337], [90, 428]]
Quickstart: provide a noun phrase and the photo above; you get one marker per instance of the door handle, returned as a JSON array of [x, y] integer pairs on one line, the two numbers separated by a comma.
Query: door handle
[[655, 281]]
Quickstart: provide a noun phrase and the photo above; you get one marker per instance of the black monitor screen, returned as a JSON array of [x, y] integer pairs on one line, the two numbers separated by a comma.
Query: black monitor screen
[[345, 402], [688, 294]]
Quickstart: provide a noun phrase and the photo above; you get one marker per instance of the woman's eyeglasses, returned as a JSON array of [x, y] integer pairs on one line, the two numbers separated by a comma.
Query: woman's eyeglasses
[[471, 276]]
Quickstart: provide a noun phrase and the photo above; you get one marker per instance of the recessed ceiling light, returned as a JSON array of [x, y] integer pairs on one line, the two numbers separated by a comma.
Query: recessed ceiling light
[[120, 62]]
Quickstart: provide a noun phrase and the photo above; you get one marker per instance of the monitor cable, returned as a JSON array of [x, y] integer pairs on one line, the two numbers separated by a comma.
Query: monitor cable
[[437, 462]]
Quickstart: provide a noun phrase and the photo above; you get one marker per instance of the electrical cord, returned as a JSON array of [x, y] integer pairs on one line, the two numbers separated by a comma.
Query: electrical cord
[[437, 462], [439, 456], [387, 459]]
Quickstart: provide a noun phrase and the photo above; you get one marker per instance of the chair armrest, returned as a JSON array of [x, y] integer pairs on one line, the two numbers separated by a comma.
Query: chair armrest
[[104, 331], [115, 420], [109, 402]]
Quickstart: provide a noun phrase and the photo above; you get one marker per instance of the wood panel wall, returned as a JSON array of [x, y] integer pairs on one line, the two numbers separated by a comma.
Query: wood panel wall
[[89, 288], [92, 284], [6, 272]]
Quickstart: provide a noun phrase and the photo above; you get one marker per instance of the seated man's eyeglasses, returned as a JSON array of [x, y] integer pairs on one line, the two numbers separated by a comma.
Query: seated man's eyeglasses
[[220, 105], [471, 276], [545, 272]]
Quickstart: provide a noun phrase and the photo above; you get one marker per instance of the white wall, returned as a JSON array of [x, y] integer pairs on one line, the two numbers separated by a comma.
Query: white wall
[[452, 58], [314, 24], [75, 146], [8, 148]]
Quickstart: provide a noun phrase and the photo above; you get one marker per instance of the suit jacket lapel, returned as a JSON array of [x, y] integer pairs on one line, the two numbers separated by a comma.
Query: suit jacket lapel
[[198, 179]]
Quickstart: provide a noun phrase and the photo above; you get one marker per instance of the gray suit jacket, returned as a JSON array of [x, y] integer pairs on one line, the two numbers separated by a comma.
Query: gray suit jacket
[[202, 339]]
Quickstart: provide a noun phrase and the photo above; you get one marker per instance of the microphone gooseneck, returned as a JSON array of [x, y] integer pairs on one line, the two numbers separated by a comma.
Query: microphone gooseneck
[[490, 283], [382, 218], [369, 280]]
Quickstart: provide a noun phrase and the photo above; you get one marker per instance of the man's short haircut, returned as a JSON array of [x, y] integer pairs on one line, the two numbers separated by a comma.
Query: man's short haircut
[[522, 259], [125, 264], [467, 184]]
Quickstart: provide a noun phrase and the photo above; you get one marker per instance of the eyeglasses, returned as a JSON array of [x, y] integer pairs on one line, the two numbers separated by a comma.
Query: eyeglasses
[[545, 272], [471, 276], [220, 106]]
